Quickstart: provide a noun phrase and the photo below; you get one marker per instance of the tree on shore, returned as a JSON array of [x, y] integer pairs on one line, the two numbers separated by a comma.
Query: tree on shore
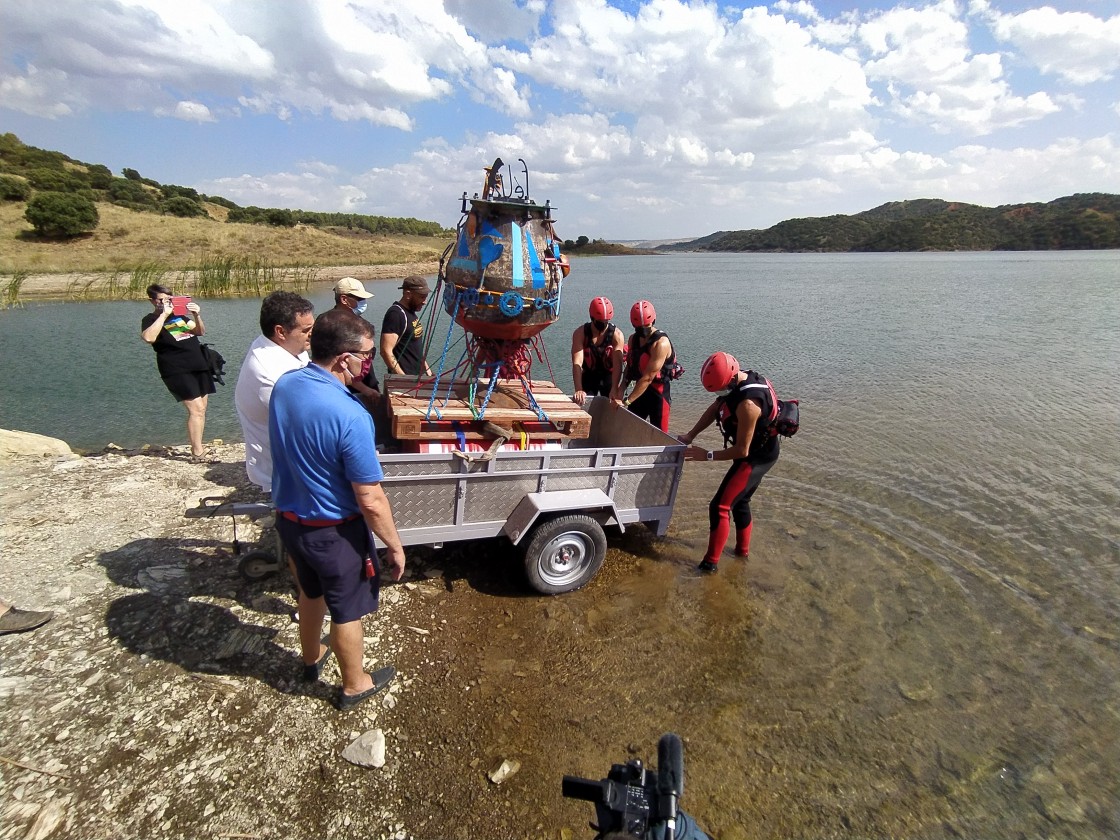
[[56, 214]]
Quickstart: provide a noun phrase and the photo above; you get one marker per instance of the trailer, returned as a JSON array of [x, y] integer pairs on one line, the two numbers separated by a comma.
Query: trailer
[[553, 504]]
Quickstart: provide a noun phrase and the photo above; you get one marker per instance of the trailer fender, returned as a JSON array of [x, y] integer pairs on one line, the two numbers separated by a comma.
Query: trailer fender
[[534, 505]]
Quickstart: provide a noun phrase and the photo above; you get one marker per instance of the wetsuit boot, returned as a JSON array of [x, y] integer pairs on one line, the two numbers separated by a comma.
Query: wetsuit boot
[[743, 540]]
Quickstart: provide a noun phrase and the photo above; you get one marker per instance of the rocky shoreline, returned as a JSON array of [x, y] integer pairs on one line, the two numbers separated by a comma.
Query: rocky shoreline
[[162, 699]]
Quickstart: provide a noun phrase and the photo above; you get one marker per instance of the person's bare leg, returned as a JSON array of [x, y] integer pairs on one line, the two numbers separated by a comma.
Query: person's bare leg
[[348, 643], [312, 611], [196, 423]]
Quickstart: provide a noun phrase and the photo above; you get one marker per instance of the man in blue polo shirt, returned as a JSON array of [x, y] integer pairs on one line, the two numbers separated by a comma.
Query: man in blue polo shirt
[[328, 496]]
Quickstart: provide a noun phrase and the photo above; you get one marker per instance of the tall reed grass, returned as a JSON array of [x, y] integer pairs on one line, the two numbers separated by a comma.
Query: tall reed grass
[[11, 289], [215, 276], [224, 275]]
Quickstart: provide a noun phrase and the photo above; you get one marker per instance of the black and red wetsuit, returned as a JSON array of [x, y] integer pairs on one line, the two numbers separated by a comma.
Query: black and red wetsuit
[[733, 499], [653, 403], [598, 361]]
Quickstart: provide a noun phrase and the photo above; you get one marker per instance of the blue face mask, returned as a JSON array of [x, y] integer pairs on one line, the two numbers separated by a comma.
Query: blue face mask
[[361, 307]]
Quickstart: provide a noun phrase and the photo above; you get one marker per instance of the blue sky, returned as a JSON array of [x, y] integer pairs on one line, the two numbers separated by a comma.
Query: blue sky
[[638, 119]]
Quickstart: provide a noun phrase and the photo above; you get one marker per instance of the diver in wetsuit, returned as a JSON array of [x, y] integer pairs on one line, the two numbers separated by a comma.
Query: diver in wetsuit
[[597, 353], [744, 414], [649, 364]]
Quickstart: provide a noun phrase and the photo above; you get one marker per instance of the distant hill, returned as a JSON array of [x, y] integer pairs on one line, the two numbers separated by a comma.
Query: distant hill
[[1084, 221]]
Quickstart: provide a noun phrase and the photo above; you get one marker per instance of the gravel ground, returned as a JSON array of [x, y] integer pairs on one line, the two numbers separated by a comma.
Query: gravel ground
[[162, 700]]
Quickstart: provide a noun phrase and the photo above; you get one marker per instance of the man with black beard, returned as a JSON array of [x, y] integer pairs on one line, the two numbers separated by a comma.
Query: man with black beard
[[402, 334]]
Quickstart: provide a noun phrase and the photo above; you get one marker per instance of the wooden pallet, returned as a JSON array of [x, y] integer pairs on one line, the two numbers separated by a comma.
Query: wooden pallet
[[508, 408]]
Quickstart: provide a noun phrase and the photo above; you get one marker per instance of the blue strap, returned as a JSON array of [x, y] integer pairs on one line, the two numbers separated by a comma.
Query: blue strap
[[535, 266], [459, 436], [515, 247]]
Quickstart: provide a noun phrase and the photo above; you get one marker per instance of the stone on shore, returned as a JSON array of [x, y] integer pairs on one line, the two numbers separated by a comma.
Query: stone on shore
[[367, 750], [14, 443]]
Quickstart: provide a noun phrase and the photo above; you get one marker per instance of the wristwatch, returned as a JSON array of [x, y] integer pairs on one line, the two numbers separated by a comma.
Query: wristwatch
[[710, 455]]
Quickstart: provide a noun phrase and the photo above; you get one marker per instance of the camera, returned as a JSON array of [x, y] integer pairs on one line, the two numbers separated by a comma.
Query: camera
[[636, 801]]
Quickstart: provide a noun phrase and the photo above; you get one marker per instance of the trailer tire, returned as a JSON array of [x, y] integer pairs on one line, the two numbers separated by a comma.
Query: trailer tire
[[564, 553], [258, 564]]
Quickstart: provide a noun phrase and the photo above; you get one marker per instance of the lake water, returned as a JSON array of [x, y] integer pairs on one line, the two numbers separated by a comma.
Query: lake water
[[926, 641]]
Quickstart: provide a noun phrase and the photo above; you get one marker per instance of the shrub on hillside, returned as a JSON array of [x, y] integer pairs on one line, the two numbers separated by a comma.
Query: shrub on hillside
[[57, 214], [100, 176], [56, 180], [128, 192], [13, 188], [181, 206], [171, 191]]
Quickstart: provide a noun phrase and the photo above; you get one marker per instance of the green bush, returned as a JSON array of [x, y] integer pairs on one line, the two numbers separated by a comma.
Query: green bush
[[181, 206], [56, 180], [100, 176], [56, 214], [122, 190], [13, 188]]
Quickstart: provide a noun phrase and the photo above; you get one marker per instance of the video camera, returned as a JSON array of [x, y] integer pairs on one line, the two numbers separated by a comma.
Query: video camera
[[640, 802]]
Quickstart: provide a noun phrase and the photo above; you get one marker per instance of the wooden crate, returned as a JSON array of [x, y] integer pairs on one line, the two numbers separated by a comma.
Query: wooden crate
[[408, 410]]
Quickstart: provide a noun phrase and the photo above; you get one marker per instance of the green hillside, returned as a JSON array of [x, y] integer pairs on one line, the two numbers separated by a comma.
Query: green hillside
[[1078, 222]]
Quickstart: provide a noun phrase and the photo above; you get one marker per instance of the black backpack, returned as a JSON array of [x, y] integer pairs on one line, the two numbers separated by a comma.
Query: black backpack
[[215, 363], [788, 420]]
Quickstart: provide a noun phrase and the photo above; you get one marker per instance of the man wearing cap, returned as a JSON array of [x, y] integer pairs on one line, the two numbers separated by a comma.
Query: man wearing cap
[[402, 334], [351, 295]]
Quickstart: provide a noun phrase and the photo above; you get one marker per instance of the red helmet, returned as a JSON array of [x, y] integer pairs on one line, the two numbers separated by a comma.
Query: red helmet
[[600, 309], [718, 371], [642, 314]]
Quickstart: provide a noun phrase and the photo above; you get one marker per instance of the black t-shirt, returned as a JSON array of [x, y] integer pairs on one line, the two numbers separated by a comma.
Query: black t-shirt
[[177, 349], [409, 349]]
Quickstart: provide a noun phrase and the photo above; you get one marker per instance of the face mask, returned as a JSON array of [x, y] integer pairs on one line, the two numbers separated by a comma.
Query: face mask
[[599, 325], [366, 365], [361, 307]]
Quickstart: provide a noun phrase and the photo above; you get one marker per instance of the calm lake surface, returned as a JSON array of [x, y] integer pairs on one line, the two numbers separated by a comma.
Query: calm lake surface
[[926, 640]]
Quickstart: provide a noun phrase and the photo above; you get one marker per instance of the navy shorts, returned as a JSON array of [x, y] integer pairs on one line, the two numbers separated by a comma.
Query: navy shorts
[[330, 564], [190, 385]]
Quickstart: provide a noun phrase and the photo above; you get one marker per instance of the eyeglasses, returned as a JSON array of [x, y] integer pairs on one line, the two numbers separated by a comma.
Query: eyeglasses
[[365, 354]]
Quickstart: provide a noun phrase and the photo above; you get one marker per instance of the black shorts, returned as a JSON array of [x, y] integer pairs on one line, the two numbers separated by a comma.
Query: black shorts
[[190, 385], [330, 564]]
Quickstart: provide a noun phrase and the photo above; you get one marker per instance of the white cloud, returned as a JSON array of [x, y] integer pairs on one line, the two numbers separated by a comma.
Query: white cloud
[[30, 93], [1075, 46], [353, 61], [932, 78], [188, 111], [304, 191]]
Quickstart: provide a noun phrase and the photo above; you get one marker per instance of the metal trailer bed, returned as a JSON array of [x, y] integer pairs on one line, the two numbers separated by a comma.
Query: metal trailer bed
[[553, 504]]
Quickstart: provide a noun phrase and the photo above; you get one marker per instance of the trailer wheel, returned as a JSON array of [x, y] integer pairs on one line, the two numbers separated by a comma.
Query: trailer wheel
[[258, 564], [564, 553]]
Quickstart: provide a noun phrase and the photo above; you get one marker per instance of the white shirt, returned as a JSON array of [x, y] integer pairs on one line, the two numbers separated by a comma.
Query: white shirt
[[265, 362]]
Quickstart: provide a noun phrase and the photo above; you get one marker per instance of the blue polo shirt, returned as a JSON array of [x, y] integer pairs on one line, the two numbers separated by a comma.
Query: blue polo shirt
[[322, 439]]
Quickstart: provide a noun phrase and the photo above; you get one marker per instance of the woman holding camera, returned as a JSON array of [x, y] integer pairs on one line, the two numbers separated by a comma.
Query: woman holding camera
[[179, 357]]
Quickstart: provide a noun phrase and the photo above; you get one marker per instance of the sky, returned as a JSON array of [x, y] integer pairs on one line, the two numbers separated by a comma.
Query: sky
[[636, 119]]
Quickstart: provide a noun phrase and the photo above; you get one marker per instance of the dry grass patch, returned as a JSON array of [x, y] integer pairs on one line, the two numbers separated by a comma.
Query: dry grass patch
[[125, 239]]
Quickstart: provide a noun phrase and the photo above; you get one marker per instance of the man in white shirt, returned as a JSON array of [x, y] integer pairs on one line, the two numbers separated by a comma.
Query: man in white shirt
[[286, 322]]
